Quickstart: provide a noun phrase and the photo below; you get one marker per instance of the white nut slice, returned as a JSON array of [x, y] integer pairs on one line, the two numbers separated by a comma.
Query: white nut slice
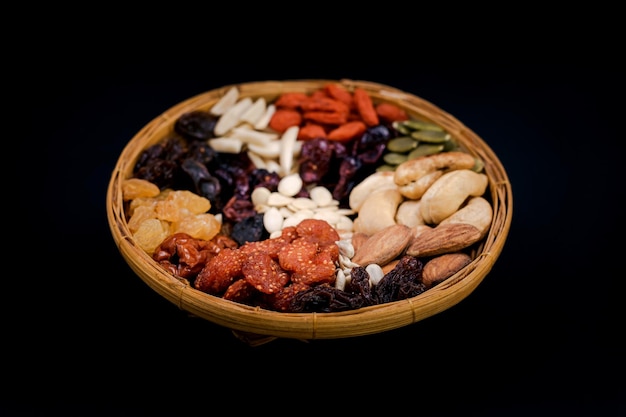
[[254, 112], [290, 185], [265, 119], [252, 136], [269, 150], [303, 203], [331, 217], [277, 199], [321, 195], [287, 144], [273, 220], [232, 117], [227, 101], [226, 145], [260, 195]]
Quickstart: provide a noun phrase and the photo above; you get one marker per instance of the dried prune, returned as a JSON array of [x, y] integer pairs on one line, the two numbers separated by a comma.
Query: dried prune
[[160, 163], [250, 229], [201, 152], [204, 183], [196, 125]]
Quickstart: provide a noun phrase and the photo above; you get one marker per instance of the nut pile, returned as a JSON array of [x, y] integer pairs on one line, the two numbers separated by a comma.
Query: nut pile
[[313, 202]]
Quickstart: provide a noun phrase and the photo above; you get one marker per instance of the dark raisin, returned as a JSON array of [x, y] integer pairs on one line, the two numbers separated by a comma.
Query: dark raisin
[[325, 298], [402, 282], [250, 229], [196, 125]]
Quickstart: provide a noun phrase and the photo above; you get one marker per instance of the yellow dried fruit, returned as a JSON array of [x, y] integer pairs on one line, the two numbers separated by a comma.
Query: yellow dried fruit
[[179, 204], [200, 226], [133, 188], [151, 233], [141, 214]]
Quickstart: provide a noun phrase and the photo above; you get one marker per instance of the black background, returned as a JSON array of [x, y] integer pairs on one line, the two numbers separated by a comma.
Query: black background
[[542, 334]]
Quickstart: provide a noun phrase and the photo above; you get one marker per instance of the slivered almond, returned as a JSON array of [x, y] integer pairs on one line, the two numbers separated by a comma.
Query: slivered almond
[[227, 101], [254, 113], [226, 145], [232, 116], [249, 135], [265, 118], [287, 144]]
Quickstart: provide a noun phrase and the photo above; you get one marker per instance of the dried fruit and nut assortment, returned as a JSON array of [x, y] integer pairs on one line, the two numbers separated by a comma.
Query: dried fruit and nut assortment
[[318, 202]]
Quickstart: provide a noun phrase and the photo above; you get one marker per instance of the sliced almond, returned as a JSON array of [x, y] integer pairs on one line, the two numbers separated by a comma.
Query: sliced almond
[[227, 101], [249, 135], [226, 145], [287, 143], [254, 112], [270, 150], [265, 119], [232, 117]]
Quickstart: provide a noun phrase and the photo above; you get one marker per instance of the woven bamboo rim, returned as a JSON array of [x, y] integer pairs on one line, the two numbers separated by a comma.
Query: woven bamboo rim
[[253, 321]]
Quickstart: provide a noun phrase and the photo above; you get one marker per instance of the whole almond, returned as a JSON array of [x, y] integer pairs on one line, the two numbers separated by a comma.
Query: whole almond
[[444, 238], [358, 238], [442, 267], [383, 246]]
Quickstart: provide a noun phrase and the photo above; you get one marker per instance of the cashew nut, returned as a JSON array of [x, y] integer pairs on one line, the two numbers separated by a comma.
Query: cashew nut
[[415, 176], [379, 180], [378, 211], [409, 213], [477, 212], [449, 192]]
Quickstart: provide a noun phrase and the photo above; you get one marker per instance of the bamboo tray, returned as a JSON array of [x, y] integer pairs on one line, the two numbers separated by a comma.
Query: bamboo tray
[[253, 323]]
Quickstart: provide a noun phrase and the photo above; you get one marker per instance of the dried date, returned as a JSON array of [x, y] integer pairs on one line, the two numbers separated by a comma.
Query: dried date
[[196, 125]]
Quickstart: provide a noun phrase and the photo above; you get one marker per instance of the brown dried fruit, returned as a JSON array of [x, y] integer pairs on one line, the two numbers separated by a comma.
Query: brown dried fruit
[[444, 238], [384, 246], [442, 267]]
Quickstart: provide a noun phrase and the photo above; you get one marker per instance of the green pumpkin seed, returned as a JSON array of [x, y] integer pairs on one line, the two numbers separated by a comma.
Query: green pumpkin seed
[[425, 149], [402, 144], [431, 136], [394, 158], [451, 145], [421, 125], [402, 128]]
